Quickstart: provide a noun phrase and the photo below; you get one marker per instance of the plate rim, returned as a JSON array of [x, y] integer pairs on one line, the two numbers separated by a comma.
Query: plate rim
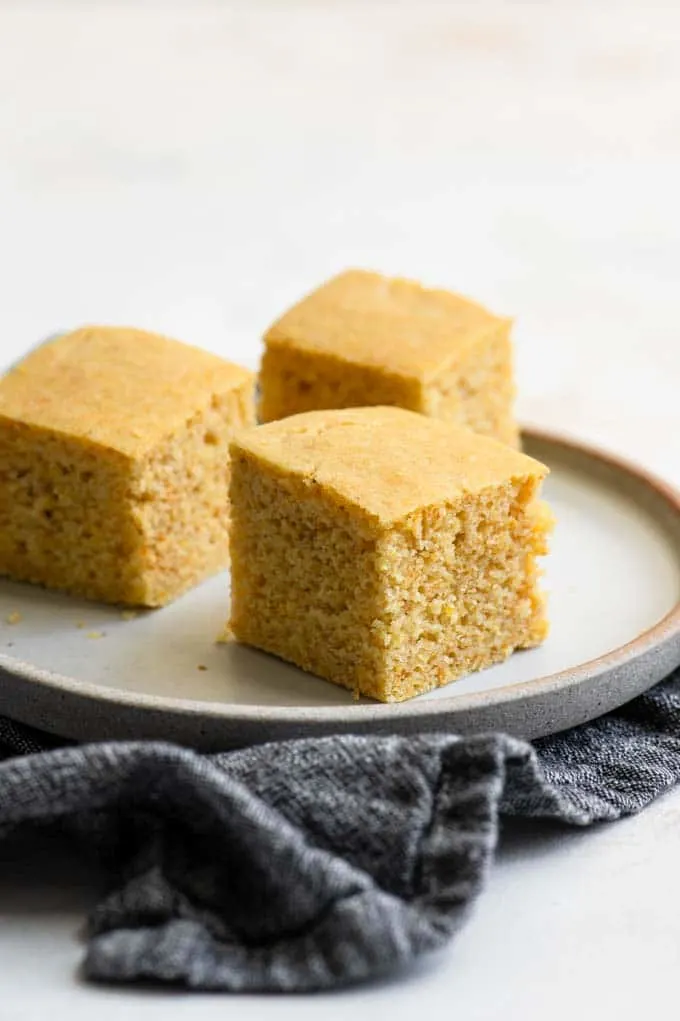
[[659, 635]]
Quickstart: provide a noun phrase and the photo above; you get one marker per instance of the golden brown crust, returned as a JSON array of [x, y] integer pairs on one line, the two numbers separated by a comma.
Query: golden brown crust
[[377, 321], [116, 387], [385, 462]]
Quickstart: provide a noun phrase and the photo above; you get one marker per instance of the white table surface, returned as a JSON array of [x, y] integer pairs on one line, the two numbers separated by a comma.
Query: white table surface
[[192, 167]]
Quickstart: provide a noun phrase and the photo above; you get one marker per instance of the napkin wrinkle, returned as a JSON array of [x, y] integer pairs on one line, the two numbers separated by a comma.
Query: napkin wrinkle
[[314, 863]]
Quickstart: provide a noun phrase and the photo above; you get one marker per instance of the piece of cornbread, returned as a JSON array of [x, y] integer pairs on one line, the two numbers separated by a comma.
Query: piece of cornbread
[[385, 551], [113, 464], [364, 339]]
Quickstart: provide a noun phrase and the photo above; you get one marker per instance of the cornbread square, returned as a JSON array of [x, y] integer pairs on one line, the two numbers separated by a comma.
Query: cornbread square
[[385, 551], [364, 339], [114, 464]]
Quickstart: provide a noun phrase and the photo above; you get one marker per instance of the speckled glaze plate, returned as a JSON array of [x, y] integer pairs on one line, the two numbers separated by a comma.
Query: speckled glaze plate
[[83, 671]]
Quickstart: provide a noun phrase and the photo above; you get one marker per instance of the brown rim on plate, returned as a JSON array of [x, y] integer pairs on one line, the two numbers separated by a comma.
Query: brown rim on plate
[[530, 709]]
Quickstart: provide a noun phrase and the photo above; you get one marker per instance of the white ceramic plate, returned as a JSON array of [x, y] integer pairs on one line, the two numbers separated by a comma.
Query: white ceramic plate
[[614, 583]]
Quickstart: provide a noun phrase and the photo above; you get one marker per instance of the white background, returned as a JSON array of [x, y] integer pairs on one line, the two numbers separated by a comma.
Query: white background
[[194, 167]]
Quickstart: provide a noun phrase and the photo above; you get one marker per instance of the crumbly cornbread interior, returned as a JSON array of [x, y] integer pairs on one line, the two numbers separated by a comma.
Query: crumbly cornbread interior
[[479, 391], [384, 551], [113, 465], [364, 339]]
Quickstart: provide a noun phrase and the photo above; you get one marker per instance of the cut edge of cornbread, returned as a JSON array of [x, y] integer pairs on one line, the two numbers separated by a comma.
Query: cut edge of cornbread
[[179, 500], [478, 390], [293, 381], [463, 594]]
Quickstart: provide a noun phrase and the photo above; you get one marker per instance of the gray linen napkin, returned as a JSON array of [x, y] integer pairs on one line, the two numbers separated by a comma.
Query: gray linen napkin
[[315, 863]]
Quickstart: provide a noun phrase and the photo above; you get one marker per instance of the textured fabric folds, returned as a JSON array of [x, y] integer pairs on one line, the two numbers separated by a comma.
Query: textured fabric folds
[[314, 863]]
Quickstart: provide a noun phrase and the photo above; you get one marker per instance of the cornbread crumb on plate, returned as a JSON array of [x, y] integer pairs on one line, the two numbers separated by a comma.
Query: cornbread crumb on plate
[[365, 339], [14, 617], [115, 475], [383, 550]]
